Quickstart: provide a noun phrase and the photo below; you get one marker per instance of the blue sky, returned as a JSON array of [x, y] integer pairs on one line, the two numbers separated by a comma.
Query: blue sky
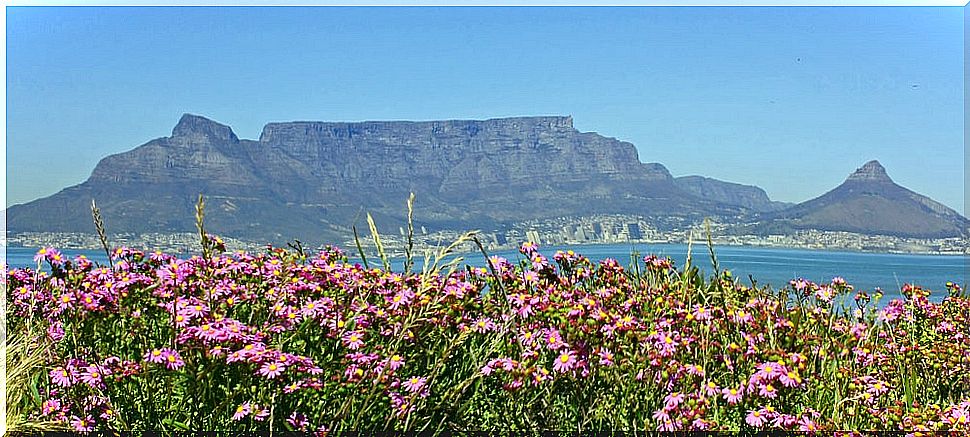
[[789, 99]]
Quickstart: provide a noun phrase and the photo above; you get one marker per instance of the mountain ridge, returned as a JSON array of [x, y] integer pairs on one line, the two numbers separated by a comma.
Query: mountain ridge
[[312, 180]]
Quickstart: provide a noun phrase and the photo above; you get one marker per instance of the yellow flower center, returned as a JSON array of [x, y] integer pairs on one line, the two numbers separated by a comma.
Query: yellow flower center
[[65, 298], [564, 358], [205, 327], [95, 374], [171, 358], [156, 353], [272, 367]]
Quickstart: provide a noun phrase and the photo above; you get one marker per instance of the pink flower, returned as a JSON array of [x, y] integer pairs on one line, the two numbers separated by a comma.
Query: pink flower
[[154, 356], [290, 388], [806, 424], [553, 339], [484, 324], [50, 406], [790, 378], [260, 413], [172, 359], [769, 391], [606, 357], [272, 369], [92, 376], [755, 418], [769, 370], [733, 395], [414, 384], [298, 420], [395, 362], [62, 377], [564, 362], [82, 425], [353, 340], [711, 388], [672, 400], [55, 332]]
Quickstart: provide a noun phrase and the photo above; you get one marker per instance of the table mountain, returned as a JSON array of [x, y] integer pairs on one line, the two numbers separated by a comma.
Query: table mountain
[[311, 180], [870, 202]]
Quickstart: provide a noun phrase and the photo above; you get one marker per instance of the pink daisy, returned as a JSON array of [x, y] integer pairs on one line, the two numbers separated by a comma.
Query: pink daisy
[[272, 369], [564, 362], [414, 384]]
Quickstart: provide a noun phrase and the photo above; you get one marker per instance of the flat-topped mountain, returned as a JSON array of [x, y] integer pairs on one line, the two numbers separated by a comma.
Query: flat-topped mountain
[[870, 202], [310, 180]]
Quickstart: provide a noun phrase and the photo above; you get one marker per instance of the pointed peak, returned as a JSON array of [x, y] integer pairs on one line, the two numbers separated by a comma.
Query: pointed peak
[[870, 171], [191, 125]]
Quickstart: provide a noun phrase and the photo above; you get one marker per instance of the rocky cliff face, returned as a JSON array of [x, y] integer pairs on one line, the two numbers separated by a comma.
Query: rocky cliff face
[[310, 180]]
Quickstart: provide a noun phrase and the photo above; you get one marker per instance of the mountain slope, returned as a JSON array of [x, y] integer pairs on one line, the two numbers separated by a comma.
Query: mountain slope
[[745, 196], [311, 180], [870, 202]]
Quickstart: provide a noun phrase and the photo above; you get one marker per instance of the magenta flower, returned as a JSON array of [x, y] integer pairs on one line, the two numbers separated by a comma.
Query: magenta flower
[[711, 388], [769, 391], [62, 377], [733, 395], [155, 356], [92, 376], [353, 340], [172, 359], [806, 424], [565, 362], [50, 406], [769, 370], [82, 425], [672, 400], [554, 340], [755, 418], [298, 420], [260, 413], [242, 411], [484, 324], [271, 370], [606, 357], [790, 378], [395, 362], [290, 388], [55, 332], [414, 384]]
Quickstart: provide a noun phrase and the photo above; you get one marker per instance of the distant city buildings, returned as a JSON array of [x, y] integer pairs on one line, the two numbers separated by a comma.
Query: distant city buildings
[[560, 231]]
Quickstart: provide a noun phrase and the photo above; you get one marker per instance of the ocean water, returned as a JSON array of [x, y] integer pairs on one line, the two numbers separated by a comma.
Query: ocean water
[[768, 266]]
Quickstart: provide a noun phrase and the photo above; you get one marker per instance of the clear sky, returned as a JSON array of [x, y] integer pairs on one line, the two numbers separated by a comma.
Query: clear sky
[[788, 99]]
